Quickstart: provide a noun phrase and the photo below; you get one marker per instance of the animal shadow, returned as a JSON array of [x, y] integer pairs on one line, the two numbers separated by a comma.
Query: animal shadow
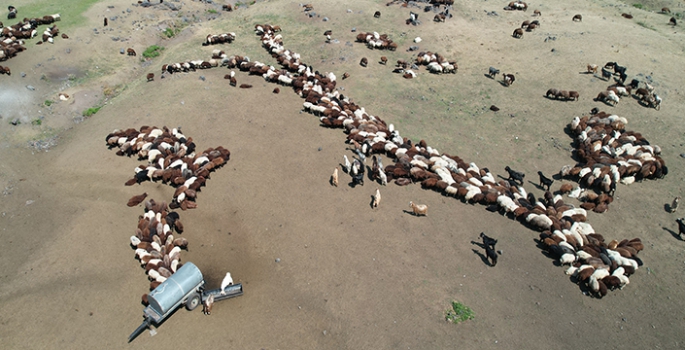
[[482, 256], [411, 212], [673, 233], [667, 207]]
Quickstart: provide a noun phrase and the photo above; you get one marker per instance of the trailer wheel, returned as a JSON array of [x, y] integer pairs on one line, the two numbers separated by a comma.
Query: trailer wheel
[[193, 301]]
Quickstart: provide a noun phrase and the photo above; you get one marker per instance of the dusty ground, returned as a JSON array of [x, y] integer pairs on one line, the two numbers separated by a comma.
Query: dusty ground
[[348, 276]]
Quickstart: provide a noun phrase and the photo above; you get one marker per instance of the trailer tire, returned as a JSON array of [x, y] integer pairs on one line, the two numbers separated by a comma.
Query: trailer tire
[[193, 301]]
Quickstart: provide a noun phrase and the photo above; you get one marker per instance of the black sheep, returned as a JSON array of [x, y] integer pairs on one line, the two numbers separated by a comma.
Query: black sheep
[[545, 182], [515, 175]]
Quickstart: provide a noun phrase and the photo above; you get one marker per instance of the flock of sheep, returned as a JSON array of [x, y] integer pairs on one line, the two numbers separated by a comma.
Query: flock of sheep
[[11, 37], [571, 239], [171, 159]]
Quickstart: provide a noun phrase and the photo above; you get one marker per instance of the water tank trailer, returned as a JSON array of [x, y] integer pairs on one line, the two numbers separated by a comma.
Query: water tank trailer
[[185, 287]]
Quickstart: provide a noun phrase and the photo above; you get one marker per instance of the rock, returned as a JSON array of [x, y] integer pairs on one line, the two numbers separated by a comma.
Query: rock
[[202, 77], [413, 48], [325, 19], [682, 155], [68, 50], [15, 121], [278, 260], [121, 51], [349, 11], [354, 29], [115, 38], [30, 87], [23, 75]]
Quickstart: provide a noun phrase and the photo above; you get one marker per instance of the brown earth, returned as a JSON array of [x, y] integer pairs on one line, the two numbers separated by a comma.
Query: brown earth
[[348, 276]]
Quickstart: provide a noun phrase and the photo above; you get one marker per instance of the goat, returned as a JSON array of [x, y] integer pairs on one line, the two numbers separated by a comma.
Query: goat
[[150, 76], [518, 33], [130, 52], [418, 209], [674, 205], [545, 182], [227, 281], [489, 244], [514, 175], [105, 22], [606, 74], [334, 177], [364, 61], [578, 18], [672, 21], [492, 72], [592, 68], [209, 302], [376, 199]]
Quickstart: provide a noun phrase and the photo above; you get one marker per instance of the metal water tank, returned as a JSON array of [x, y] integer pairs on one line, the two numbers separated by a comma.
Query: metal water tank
[[171, 292]]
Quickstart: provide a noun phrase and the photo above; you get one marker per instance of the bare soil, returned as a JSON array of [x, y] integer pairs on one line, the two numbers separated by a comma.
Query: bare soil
[[320, 268]]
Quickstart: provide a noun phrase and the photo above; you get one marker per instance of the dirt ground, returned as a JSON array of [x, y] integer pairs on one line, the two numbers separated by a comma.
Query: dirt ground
[[320, 268]]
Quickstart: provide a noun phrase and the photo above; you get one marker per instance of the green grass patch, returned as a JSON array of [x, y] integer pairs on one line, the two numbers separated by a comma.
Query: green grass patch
[[36, 122], [91, 111], [153, 51], [71, 12], [48, 102], [213, 11], [459, 313], [638, 6]]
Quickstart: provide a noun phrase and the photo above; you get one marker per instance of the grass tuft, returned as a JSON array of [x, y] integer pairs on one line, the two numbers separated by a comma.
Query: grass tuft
[[153, 51], [459, 313], [91, 111]]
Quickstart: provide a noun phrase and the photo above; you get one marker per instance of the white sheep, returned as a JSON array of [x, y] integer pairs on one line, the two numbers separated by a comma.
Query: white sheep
[[227, 281]]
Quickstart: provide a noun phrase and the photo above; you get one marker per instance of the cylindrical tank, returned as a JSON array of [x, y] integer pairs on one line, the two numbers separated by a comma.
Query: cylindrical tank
[[172, 291]]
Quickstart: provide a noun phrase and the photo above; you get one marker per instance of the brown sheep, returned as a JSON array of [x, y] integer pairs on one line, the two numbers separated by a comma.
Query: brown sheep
[[384, 60], [345, 75], [665, 10], [537, 13], [508, 79], [525, 24], [135, 200], [574, 95], [592, 68], [518, 33], [552, 92], [364, 61], [150, 76], [130, 52], [276, 90], [627, 15], [578, 18], [64, 36], [245, 86]]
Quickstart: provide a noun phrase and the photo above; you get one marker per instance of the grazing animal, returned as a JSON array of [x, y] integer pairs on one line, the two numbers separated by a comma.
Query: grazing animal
[[276, 90], [492, 72], [552, 92], [150, 76], [489, 244], [364, 62], [518, 33], [227, 281], [345, 75], [130, 52], [5, 70], [377, 14], [681, 227], [514, 175], [674, 205], [384, 60], [537, 13], [672, 21], [418, 209], [64, 36], [376, 199], [627, 15], [574, 95], [135, 200], [545, 182], [606, 74], [207, 306], [578, 18], [334, 177], [105, 22], [665, 10], [508, 79], [245, 86], [592, 68], [347, 166]]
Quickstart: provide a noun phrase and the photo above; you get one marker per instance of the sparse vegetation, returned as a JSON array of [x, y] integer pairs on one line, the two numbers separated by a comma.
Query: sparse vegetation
[[213, 11], [48, 103], [459, 313], [36, 122], [153, 51], [643, 24], [90, 111], [638, 6]]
